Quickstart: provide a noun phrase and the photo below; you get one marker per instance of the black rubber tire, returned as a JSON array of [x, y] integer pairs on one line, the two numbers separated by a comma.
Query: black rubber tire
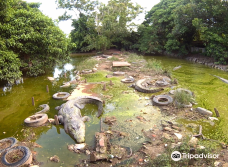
[[40, 120], [11, 139], [25, 158], [156, 100], [55, 96]]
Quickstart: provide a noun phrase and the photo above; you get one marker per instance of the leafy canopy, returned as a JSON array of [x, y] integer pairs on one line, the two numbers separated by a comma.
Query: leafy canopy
[[29, 40]]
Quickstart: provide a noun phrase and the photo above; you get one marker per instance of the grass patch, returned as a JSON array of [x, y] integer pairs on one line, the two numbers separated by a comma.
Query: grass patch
[[132, 57], [182, 98], [113, 58], [165, 160], [87, 64], [153, 65]]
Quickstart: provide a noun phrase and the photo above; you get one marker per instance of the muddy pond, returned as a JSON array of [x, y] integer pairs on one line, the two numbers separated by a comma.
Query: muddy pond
[[121, 101]]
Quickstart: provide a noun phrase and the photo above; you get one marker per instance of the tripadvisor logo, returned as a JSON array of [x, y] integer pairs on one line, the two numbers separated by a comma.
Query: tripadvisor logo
[[176, 155]]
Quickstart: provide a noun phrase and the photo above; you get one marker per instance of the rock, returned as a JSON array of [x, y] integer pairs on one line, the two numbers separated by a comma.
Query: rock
[[193, 141], [167, 136], [51, 78], [213, 118], [51, 120], [225, 165], [77, 77], [201, 147], [87, 152], [65, 85], [175, 127], [55, 158], [217, 164], [79, 146], [94, 69], [204, 111], [168, 129], [172, 92], [147, 98], [178, 135], [173, 145], [165, 124], [96, 66]]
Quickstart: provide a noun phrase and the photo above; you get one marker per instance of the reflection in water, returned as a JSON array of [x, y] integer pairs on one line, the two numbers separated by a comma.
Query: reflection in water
[[57, 73], [68, 67]]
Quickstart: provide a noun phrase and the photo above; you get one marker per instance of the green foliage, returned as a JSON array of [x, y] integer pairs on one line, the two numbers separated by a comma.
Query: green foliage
[[9, 66], [182, 98], [31, 38], [177, 25], [155, 65], [108, 26]]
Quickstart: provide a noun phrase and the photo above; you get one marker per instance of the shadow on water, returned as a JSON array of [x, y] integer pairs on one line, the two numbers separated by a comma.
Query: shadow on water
[[16, 105]]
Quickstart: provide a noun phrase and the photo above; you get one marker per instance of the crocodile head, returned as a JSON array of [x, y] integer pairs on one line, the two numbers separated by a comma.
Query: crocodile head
[[77, 130]]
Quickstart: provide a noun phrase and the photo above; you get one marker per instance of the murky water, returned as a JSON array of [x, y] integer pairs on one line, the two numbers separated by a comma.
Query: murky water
[[16, 105]]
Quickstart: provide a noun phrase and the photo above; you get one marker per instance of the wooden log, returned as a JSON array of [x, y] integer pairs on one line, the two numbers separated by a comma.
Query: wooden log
[[101, 130], [216, 112], [104, 87], [192, 160], [200, 132], [111, 83], [47, 88], [33, 101]]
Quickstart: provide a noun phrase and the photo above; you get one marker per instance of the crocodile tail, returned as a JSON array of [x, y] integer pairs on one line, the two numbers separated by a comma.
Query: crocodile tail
[[82, 100]]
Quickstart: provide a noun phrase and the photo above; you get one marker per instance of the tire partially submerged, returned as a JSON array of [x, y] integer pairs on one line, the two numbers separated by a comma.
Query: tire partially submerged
[[162, 100], [61, 95], [45, 108], [12, 141], [36, 120], [138, 86], [26, 159]]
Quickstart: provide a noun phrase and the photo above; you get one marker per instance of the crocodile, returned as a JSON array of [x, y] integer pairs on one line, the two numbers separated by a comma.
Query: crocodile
[[69, 115]]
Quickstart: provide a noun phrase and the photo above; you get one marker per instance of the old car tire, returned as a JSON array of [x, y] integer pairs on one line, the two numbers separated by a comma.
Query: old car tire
[[156, 99], [86, 71], [66, 94], [128, 80], [36, 120], [26, 159], [11, 139]]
